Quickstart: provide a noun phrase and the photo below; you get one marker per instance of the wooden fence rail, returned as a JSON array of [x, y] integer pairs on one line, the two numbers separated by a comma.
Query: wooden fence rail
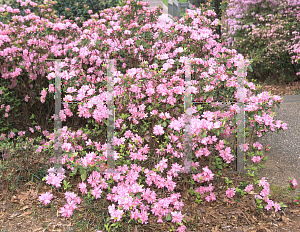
[[174, 8]]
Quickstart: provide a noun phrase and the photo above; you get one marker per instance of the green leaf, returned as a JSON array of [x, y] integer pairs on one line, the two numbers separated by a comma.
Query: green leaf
[[225, 119], [83, 174], [250, 68], [199, 107], [282, 205], [257, 126], [169, 217], [75, 171], [164, 124]]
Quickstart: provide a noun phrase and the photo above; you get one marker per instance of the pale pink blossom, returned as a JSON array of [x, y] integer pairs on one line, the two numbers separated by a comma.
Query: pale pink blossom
[[45, 198], [294, 183], [230, 192], [256, 159], [158, 130], [249, 188], [277, 207], [176, 217], [26, 98]]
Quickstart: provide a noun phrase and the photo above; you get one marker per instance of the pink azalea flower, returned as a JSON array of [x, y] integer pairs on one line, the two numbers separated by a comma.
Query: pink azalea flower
[[96, 192], [158, 130], [294, 183], [176, 217], [256, 159], [249, 188], [26, 98], [181, 228], [244, 147], [277, 207], [45, 198], [66, 211], [230, 192], [82, 187]]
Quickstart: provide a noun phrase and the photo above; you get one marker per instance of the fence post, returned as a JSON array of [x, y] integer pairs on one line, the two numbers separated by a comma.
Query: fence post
[[110, 119], [177, 9], [174, 7], [188, 113], [57, 120], [240, 163], [240, 113], [170, 9]]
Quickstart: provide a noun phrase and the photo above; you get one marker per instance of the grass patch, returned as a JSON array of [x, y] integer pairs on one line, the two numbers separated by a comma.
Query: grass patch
[[166, 2]]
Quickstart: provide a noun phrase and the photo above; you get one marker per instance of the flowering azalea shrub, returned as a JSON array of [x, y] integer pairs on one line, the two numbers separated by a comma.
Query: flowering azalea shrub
[[70, 9], [148, 98], [268, 32]]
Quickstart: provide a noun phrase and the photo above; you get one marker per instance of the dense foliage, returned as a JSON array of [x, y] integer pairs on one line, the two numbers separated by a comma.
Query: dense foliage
[[70, 9], [268, 32]]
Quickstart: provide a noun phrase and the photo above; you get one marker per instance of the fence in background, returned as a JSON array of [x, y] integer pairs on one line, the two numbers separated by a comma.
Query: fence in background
[[240, 134], [188, 113], [110, 120], [175, 7]]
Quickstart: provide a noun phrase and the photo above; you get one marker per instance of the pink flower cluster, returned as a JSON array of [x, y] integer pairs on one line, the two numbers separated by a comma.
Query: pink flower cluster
[[249, 188], [230, 192], [159, 181], [54, 179], [45, 198], [203, 190], [115, 214], [43, 97], [72, 200], [206, 175], [265, 192], [294, 183]]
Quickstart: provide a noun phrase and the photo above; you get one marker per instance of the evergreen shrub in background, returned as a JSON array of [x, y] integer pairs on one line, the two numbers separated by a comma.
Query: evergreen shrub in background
[[266, 31], [70, 9]]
